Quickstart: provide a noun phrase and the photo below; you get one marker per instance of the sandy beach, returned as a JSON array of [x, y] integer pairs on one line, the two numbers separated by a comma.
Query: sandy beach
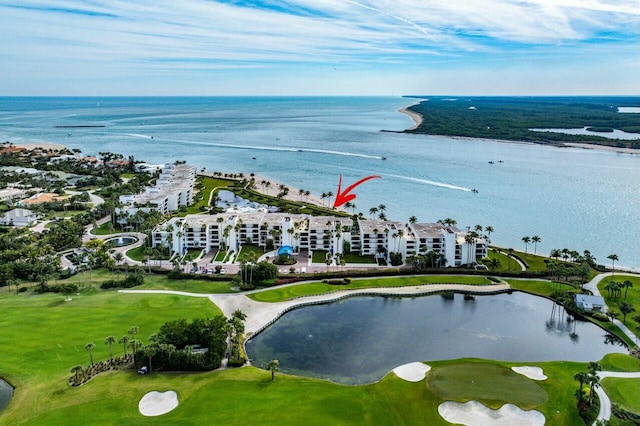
[[417, 118], [41, 145], [273, 189], [603, 148]]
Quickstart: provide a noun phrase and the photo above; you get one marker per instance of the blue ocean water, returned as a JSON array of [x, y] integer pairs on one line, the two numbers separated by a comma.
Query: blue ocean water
[[570, 197]]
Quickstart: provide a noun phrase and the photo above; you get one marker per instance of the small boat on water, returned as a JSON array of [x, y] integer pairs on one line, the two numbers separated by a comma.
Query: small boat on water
[[491, 162], [475, 191], [253, 158], [384, 158]]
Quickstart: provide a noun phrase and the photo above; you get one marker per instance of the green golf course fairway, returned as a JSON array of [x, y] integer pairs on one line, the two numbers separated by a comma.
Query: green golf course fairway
[[42, 337]]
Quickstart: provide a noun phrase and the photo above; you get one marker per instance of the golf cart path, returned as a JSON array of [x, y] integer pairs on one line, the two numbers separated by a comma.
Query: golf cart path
[[262, 314], [605, 402]]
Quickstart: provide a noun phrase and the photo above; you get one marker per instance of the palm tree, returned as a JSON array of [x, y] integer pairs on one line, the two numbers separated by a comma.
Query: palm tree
[[125, 341], [594, 382], [76, 369], [274, 365], [555, 253], [626, 286], [478, 228], [488, 230], [110, 340], [613, 258], [610, 287], [329, 195], [494, 263], [625, 308], [89, 348], [526, 241], [581, 377], [535, 240], [150, 351], [373, 211], [469, 240]]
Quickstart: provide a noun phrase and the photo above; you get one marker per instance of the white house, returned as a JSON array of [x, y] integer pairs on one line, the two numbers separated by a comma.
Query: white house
[[19, 217], [591, 303]]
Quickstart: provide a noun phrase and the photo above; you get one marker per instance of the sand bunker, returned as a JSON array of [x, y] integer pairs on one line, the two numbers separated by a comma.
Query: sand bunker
[[412, 372], [474, 413], [534, 373], [158, 403]]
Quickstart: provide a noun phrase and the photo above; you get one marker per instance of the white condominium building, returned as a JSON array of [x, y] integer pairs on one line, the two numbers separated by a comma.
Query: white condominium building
[[328, 233], [172, 190]]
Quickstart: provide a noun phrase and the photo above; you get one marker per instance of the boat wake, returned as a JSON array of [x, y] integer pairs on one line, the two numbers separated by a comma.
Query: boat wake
[[433, 183], [262, 148]]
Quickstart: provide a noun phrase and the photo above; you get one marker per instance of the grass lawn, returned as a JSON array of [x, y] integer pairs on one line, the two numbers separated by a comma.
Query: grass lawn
[[42, 337], [290, 292], [541, 287], [105, 230], [206, 185], [356, 258], [504, 261], [633, 296], [491, 384], [248, 248], [620, 362], [624, 392], [220, 256], [319, 256], [534, 263]]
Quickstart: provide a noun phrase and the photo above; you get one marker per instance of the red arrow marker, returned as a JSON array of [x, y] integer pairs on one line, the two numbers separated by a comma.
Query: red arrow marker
[[343, 197]]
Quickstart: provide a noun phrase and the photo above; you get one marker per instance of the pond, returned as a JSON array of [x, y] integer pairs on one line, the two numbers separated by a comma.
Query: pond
[[120, 241], [229, 200], [359, 340], [6, 391]]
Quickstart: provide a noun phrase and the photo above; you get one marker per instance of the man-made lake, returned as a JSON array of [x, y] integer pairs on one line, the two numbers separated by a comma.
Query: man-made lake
[[6, 391], [359, 340]]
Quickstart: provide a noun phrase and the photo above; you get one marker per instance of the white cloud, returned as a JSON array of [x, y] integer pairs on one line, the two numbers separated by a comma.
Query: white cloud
[[162, 36]]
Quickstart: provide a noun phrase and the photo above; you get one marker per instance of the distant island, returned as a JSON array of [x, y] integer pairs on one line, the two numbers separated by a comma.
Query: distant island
[[513, 118]]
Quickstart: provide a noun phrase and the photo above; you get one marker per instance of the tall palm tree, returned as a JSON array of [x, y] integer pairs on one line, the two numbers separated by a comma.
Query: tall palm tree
[[478, 228], [488, 230], [469, 240], [526, 241], [594, 382], [413, 219], [555, 253], [329, 195], [626, 286], [110, 340], [613, 258], [373, 211], [125, 341], [89, 348], [274, 365], [535, 240]]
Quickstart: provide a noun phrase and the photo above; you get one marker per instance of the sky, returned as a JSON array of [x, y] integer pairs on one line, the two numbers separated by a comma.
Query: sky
[[319, 47]]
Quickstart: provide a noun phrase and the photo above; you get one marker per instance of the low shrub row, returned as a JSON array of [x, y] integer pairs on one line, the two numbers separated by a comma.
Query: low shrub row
[[131, 280]]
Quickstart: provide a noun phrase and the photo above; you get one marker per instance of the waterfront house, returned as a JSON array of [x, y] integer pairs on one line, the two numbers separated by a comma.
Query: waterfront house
[[590, 303]]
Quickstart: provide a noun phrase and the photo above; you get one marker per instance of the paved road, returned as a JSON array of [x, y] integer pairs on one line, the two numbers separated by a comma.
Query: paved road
[[593, 287], [605, 402]]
